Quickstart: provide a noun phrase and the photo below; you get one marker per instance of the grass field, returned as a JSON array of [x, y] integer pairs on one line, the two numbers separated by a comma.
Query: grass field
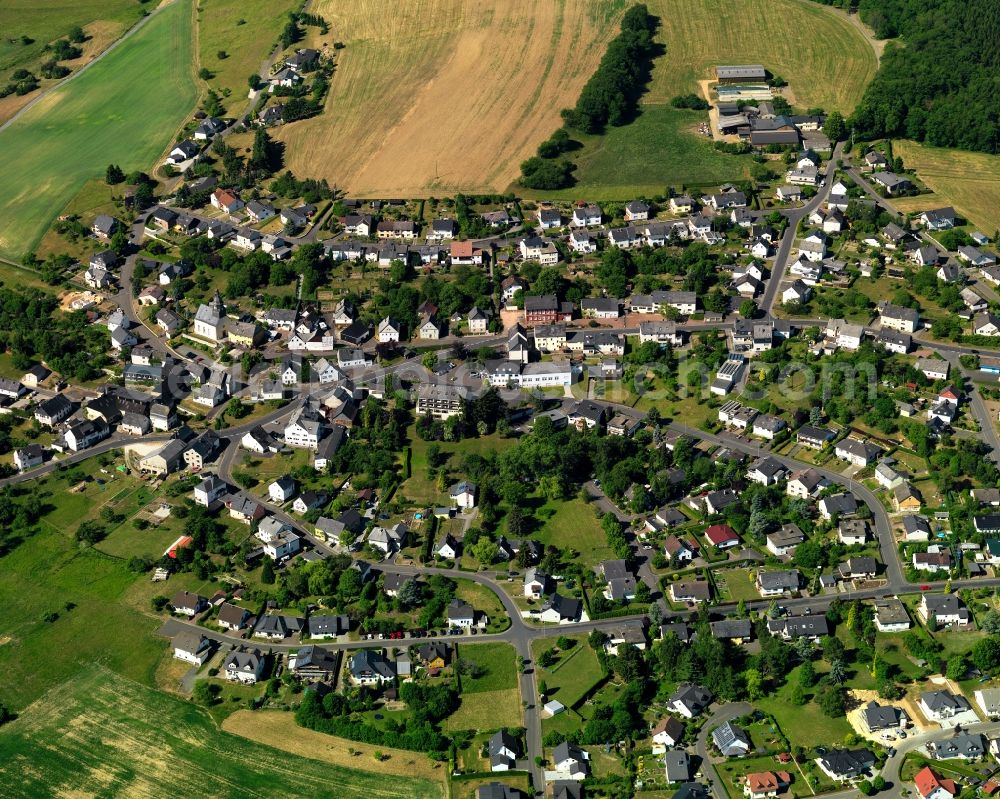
[[574, 674], [46, 22], [736, 584], [574, 525], [804, 725], [825, 59], [968, 181], [101, 735], [660, 148], [484, 84], [417, 487], [484, 600], [42, 576], [487, 710], [125, 109], [246, 31], [497, 664]]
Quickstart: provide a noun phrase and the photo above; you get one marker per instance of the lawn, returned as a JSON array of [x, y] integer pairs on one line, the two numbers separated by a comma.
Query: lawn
[[278, 729], [807, 725], [487, 710], [125, 109], [573, 675], [246, 31], [17, 277], [572, 524], [96, 197], [736, 584], [419, 487], [103, 735], [660, 148], [968, 181], [496, 661], [483, 599]]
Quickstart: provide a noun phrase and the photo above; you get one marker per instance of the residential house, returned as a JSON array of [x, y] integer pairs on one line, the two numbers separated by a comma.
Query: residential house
[[689, 700], [784, 541], [844, 764], [191, 647], [931, 786], [852, 532], [184, 603], [765, 784], [778, 583], [859, 453], [943, 610], [942, 705], [897, 317], [790, 628], [233, 617], [314, 664], [938, 218], [503, 750], [891, 616], [731, 740], [876, 718], [668, 732], [560, 609], [244, 666]]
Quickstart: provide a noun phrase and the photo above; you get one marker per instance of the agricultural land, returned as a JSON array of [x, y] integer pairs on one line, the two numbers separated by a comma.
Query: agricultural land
[[124, 109], [446, 95]]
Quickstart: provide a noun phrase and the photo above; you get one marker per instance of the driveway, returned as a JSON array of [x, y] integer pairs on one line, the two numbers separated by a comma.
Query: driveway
[[721, 715]]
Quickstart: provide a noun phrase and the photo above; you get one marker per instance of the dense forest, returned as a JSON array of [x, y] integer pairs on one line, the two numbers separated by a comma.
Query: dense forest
[[941, 84]]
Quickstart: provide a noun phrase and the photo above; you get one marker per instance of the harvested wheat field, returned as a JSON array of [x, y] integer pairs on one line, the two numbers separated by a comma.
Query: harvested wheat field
[[432, 96], [968, 181]]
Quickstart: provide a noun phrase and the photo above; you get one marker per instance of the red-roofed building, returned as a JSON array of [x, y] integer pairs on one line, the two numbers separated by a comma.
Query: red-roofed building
[[761, 784], [722, 536], [931, 786], [180, 543], [990, 787], [462, 252]]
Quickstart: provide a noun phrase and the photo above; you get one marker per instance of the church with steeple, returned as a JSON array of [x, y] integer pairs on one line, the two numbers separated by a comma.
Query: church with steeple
[[210, 321]]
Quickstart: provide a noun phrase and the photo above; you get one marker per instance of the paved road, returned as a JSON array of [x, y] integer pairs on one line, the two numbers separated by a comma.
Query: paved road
[[795, 216], [720, 716], [894, 572]]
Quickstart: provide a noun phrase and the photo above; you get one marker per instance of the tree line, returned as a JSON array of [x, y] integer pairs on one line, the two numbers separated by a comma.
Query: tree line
[[610, 97]]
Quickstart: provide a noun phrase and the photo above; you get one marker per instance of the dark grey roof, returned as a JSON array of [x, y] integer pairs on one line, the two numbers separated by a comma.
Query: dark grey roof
[[693, 697], [730, 739], [732, 628], [847, 762], [327, 625]]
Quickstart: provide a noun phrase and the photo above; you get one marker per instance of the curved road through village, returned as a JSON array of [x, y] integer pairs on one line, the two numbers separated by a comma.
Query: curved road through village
[[520, 633]]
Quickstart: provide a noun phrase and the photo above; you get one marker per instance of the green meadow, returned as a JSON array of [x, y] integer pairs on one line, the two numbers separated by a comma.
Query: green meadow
[[124, 109]]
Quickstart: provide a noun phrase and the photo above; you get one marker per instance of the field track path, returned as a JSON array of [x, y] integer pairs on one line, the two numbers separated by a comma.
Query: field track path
[[137, 27]]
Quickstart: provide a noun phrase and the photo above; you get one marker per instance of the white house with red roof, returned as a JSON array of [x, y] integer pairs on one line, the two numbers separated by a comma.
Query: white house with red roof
[[722, 536], [931, 786]]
